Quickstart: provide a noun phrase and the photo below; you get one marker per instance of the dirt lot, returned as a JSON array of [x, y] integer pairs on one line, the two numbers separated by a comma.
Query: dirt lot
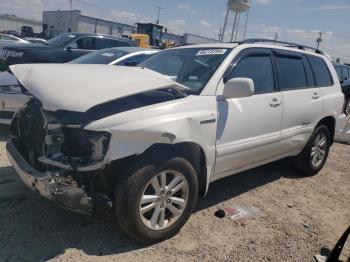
[[300, 217]]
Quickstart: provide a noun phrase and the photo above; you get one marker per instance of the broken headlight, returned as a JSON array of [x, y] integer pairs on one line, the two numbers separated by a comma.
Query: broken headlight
[[84, 144]]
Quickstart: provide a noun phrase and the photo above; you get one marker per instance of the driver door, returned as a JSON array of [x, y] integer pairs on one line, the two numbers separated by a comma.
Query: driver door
[[249, 129]]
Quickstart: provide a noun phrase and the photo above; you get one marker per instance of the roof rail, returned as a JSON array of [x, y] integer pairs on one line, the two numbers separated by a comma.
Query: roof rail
[[289, 44]]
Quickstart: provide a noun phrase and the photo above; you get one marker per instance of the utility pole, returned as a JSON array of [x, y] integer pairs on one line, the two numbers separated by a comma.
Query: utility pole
[[70, 15], [220, 33], [275, 39], [159, 9], [319, 39]]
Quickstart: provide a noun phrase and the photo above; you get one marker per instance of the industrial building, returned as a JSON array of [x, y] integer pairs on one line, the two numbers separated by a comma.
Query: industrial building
[[14, 23], [58, 22]]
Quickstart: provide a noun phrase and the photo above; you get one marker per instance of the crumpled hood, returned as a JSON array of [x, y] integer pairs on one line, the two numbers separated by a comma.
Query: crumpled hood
[[78, 87]]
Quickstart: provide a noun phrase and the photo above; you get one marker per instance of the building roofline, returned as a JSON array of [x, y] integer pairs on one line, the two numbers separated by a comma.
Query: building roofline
[[8, 16]]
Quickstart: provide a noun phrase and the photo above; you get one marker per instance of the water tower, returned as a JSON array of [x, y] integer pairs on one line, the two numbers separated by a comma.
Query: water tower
[[236, 8]]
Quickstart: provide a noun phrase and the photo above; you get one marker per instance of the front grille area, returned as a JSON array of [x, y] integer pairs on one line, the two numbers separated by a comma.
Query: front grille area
[[6, 114], [46, 144]]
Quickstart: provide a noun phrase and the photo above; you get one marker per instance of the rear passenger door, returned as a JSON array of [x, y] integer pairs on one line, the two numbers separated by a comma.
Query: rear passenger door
[[302, 100]]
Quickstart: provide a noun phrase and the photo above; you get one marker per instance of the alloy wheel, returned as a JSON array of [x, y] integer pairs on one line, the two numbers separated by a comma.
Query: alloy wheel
[[319, 149], [164, 199]]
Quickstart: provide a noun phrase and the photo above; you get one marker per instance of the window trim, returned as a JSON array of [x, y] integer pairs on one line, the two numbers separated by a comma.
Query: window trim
[[254, 51], [313, 72]]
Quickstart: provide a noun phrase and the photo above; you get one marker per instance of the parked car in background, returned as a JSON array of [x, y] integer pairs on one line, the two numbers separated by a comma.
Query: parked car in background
[[12, 98], [6, 39], [35, 40], [343, 72], [124, 56], [60, 49], [145, 142]]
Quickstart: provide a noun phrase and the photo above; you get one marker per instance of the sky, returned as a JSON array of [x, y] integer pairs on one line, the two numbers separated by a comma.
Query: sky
[[293, 20]]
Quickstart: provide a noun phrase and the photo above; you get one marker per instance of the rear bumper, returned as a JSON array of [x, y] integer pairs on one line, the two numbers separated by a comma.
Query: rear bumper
[[62, 190]]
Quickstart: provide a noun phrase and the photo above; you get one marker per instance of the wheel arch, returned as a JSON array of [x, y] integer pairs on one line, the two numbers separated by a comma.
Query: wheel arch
[[195, 154], [330, 122], [191, 151]]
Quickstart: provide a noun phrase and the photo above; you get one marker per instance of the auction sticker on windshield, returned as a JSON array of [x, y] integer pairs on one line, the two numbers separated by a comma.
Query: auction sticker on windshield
[[211, 52]]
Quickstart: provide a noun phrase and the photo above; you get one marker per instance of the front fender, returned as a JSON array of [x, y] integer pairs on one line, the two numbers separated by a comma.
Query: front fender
[[192, 119]]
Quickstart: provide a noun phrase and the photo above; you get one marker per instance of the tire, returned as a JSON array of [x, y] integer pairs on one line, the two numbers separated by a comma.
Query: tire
[[137, 182], [304, 162]]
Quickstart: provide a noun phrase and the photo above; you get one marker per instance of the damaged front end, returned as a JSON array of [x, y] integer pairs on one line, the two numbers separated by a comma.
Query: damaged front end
[[62, 162]]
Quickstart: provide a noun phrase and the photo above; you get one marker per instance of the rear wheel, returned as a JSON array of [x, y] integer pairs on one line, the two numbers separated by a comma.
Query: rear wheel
[[313, 157], [156, 197]]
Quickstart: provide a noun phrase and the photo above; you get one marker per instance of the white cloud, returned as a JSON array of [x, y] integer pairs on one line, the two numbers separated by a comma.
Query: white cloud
[[128, 17], [187, 8], [205, 23], [264, 2]]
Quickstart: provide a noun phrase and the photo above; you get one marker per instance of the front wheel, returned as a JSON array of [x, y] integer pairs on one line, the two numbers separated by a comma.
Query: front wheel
[[156, 196], [313, 157]]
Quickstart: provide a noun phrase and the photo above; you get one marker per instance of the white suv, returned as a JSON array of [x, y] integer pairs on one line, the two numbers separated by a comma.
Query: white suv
[[145, 142]]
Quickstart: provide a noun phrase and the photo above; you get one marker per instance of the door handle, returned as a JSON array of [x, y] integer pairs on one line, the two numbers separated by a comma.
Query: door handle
[[275, 102], [315, 96]]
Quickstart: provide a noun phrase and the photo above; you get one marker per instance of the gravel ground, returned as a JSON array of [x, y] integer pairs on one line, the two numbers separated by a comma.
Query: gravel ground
[[301, 217]]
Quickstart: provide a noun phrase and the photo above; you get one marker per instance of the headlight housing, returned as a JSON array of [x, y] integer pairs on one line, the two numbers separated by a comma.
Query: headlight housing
[[11, 89]]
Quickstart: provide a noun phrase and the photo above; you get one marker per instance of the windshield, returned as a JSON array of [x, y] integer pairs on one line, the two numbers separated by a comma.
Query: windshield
[[191, 67], [61, 39], [102, 57]]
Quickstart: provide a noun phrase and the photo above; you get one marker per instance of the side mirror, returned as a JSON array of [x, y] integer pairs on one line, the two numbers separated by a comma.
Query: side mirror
[[69, 49], [237, 88]]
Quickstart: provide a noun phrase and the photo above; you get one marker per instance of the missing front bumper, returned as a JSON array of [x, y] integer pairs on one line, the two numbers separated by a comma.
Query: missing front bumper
[[63, 190]]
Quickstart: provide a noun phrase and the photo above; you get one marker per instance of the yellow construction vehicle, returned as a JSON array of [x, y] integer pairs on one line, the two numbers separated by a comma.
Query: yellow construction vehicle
[[148, 35], [142, 40]]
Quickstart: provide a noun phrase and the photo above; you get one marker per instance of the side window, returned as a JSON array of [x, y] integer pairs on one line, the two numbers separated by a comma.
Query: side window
[[102, 43], [87, 43], [259, 69], [134, 60], [291, 73], [321, 72]]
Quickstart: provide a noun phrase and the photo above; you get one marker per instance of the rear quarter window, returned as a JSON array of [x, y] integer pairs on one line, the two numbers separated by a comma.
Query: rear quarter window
[[321, 72]]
